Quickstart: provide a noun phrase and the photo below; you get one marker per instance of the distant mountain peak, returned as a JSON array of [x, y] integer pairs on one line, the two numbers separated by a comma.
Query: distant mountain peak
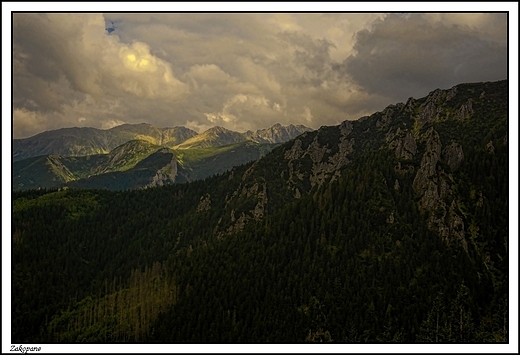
[[277, 133]]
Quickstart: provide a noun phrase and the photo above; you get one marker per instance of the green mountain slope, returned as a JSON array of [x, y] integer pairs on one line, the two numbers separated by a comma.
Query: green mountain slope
[[117, 169], [88, 141], [157, 169], [55, 171], [125, 157], [203, 162], [213, 137], [392, 228]]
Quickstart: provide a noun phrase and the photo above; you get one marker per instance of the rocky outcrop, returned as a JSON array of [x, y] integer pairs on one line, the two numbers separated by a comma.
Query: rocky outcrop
[[431, 110], [256, 192], [450, 94], [204, 203], [465, 110], [426, 181], [403, 143], [295, 152], [166, 175], [455, 225], [453, 155], [387, 114], [325, 165], [432, 183]]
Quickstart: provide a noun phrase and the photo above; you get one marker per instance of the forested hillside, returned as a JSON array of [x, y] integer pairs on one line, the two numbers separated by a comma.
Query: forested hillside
[[392, 228]]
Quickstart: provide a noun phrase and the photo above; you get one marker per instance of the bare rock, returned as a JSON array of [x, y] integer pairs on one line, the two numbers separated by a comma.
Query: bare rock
[[387, 114], [453, 155], [450, 94], [165, 175], [403, 143], [295, 152], [430, 110], [425, 181], [455, 225], [465, 110], [204, 204]]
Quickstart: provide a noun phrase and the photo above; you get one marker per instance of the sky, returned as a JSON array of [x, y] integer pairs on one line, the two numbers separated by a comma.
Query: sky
[[241, 71]]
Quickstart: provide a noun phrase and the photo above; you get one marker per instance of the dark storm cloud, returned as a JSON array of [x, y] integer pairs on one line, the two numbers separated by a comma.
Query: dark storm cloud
[[405, 55]]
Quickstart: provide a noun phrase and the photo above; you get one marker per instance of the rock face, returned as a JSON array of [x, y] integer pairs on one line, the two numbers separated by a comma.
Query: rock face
[[176, 135], [254, 195], [327, 161], [403, 143], [433, 180], [453, 155], [430, 110], [118, 159], [426, 181], [204, 204], [432, 183], [167, 174], [387, 115], [465, 110], [276, 133]]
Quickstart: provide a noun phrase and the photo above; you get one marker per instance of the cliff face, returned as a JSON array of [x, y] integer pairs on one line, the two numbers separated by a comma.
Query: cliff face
[[326, 160], [434, 184], [167, 174]]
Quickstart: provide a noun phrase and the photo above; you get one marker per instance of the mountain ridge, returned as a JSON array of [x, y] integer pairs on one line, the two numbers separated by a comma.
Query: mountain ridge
[[78, 141], [227, 149]]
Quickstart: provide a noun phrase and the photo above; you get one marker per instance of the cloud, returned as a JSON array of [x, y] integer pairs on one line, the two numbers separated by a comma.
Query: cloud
[[26, 122], [242, 71], [307, 115], [197, 127], [410, 55], [62, 59], [250, 107], [107, 124]]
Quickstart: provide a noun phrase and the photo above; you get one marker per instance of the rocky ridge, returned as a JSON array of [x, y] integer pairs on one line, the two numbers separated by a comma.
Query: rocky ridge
[[411, 130]]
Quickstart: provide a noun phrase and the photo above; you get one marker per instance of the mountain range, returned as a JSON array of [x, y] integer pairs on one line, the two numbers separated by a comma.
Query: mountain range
[[389, 229], [78, 156]]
